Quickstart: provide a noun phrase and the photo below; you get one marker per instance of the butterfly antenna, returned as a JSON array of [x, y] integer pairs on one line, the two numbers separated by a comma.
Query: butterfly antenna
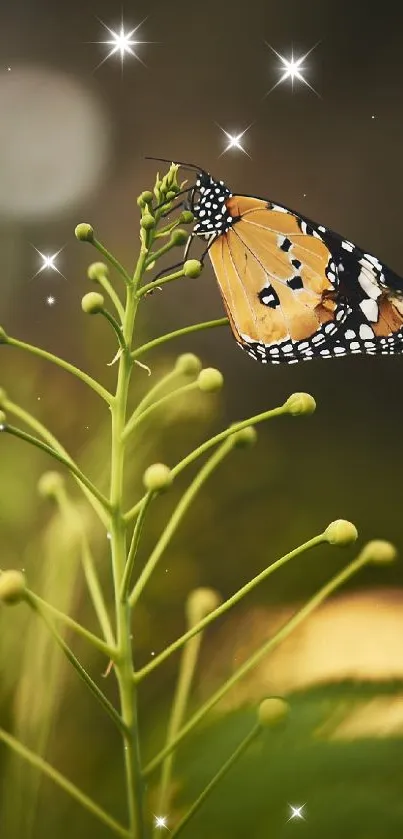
[[191, 166]]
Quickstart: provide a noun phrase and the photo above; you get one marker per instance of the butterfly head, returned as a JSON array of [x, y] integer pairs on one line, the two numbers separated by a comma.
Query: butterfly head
[[208, 203]]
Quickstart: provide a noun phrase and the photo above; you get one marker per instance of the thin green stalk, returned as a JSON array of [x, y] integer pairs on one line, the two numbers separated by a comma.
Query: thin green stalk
[[68, 462], [145, 289], [137, 418], [151, 395], [69, 512], [209, 444], [254, 659], [186, 673], [43, 606], [152, 257], [239, 751], [186, 330], [226, 606], [125, 585], [177, 517], [124, 664], [112, 261], [65, 365], [103, 281], [93, 687], [39, 428], [115, 326], [64, 783]]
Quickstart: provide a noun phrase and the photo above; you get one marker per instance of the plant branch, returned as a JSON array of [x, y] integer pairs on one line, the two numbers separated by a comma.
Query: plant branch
[[65, 365], [112, 260], [226, 606], [145, 289], [229, 763], [137, 417], [63, 782], [254, 659], [125, 586], [177, 517], [42, 606], [178, 333]]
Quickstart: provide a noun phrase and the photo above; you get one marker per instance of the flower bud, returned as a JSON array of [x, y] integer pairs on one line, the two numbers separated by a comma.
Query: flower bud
[[200, 602], [146, 197], [92, 303], [84, 232], [3, 397], [179, 237], [341, 532], [3, 420], [188, 364], [49, 484], [192, 268], [245, 437], [273, 711], [171, 194], [186, 217], [12, 586], [210, 379], [300, 403], [3, 336], [148, 221], [157, 477], [379, 551], [96, 271]]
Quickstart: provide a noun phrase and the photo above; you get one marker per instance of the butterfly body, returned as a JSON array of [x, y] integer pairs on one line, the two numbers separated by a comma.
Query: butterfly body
[[293, 289]]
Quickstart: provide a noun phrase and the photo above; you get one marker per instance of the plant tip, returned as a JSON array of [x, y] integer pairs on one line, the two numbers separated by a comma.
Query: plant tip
[[84, 232], [200, 602], [12, 586], [92, 303], [273, 711], [157, 477], [379, 551], [341, 532], [192, 268], [245, 437], [188, 364], [49, 484], [210, 380], [186, 217], [97, 271], [300, 403], [179, 237]]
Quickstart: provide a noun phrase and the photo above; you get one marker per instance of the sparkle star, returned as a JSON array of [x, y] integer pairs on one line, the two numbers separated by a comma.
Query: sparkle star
[[50, 301], [296, 812], [234, 140], [292, 68], [48, 262], [160, 821], [122, 43]]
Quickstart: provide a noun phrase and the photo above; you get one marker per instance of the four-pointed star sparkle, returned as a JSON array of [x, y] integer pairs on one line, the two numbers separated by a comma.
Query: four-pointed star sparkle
[[292, 69], [161, 821], [122, 42], [50, 301], [234, 140], [48, 262], [296, 812]]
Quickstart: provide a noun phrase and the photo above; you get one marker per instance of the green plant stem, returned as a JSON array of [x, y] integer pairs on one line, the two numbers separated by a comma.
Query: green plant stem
[[112, 261], [154, 391], [187, 669], [107, 286], [43, 606], [145, 289], [124, 664], [239, 751], [209, 444], [125, 586], [116, 328], [63, 782], [93, 687], [152, 257], [68, 462], [65, 365], [186, 330], [177, 516], [135, 420], [39, 428], [73, 519], [226, 606], [254, 659]]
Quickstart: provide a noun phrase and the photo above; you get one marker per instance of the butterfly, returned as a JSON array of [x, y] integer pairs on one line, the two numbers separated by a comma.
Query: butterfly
[[293, 289]]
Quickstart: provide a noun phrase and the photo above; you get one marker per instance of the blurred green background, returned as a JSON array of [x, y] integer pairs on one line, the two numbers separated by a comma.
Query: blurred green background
[[72, 143]]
